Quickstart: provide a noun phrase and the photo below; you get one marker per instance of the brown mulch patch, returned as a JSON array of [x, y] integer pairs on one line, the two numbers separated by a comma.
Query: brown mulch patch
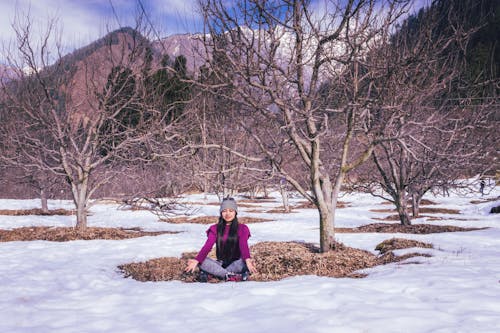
[[256, 200], [422, 210], [387, 218], [276, 261], [277, 211], [211, 220], [36, 211], [307, 204], [399, 243], [240, 205], [484, 200], [405, 229], [429, 210], [423, 202], [426, 210], [64, 234]]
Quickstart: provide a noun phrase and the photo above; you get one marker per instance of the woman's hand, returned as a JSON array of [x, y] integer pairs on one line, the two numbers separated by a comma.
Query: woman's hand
[[191, 266], [251, 266]]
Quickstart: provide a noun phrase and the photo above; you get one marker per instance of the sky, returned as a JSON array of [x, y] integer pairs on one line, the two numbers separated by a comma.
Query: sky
[[75, 287], [80, 22]]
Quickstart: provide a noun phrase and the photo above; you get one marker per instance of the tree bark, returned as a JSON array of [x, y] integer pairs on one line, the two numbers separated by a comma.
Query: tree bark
[[401, 209], [80, 198], [284, 196], [43, 198]]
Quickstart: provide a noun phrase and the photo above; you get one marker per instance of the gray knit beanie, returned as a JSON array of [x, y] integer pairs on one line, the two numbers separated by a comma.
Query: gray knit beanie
[[228, 203]]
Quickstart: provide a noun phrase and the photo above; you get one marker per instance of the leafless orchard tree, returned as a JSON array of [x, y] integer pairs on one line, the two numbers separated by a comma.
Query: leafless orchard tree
[[298, 70], [74, 117], [219, 137], [443, 134]]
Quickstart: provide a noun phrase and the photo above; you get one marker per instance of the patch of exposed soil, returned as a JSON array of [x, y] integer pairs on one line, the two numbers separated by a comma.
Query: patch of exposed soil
[[405, 229], [278, 260], [36, 211], [211, 220], [64, 234]]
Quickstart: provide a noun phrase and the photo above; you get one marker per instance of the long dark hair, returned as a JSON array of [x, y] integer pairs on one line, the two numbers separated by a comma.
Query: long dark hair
[[229, 251]]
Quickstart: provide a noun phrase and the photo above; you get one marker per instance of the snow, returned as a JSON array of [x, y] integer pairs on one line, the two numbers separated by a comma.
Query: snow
[[76, 287]]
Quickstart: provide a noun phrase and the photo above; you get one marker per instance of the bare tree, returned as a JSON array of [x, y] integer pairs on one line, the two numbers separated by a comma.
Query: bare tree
[[295, 74], [220, 147], [442, 132], [78, 115]]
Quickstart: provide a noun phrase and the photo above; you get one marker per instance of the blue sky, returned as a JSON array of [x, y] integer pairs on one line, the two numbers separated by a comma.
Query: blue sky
[[82, 21]]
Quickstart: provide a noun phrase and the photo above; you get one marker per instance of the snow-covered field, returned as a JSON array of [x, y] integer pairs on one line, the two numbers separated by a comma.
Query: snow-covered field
[[49, 287]]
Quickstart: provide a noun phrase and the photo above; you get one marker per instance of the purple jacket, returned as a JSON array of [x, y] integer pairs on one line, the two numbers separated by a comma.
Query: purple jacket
[[243, 236]]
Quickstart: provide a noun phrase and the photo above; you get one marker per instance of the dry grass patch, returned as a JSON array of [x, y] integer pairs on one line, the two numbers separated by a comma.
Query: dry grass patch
[[211, 220], [275, 261], [36, 211], [64, 234], [278, 260]]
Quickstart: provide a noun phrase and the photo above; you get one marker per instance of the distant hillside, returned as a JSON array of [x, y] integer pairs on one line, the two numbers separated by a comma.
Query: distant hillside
[[112, 39]]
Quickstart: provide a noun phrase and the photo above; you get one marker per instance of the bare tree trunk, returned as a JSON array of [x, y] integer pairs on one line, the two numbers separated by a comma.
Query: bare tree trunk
[[327, 231], [284, 196], [81, 217], [416, 199], [323, 190], [401, 209], [80, 198], [415, 205], [43, 198]]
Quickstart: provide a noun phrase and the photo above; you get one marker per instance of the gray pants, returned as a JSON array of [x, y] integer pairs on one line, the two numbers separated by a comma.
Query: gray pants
[[215, 268]]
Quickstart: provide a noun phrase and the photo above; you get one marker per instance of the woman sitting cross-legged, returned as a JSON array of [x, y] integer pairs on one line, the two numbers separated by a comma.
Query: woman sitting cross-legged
[[233, 255]]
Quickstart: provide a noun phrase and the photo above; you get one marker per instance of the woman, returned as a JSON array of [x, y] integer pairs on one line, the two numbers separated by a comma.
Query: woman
[[233, 255]]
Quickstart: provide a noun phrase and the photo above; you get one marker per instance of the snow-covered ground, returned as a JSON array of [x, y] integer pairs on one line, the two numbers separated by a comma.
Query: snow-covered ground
[[49, 287]]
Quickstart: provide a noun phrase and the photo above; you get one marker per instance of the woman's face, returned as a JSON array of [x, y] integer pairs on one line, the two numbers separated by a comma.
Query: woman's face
[[228, 214]]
